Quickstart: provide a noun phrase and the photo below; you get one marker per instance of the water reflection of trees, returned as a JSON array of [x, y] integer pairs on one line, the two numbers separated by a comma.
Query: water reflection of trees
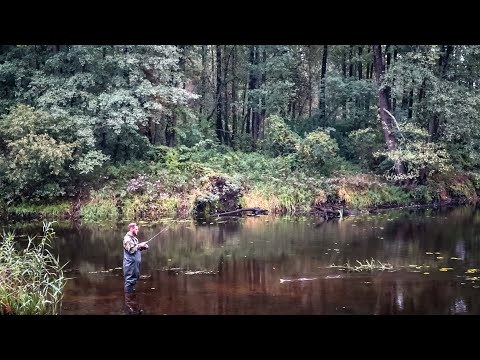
[[401, 238], [254, 254], [395, 296]]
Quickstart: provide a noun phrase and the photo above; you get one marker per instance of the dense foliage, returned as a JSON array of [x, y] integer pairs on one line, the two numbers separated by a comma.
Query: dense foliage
[[147, 125]]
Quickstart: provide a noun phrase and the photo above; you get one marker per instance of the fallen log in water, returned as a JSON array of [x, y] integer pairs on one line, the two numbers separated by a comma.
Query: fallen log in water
[[255, 211], [331, 212]]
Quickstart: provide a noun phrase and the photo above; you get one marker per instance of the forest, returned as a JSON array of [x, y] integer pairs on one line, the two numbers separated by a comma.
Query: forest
[[112, 132]]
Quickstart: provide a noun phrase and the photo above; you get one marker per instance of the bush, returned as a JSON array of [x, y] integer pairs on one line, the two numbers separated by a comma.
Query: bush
[[363, 143], [280, 140], [44, 154], [421, 159], [318, 148]]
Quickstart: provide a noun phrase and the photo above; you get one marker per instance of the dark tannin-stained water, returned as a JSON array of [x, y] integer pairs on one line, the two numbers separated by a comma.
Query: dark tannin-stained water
[[281, 265]]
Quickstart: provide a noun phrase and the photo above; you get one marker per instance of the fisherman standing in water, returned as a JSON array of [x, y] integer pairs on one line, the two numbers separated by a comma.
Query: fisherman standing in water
[[132, 257]]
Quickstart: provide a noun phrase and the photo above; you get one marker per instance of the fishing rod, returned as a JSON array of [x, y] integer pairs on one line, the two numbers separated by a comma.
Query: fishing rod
[[146, 242]]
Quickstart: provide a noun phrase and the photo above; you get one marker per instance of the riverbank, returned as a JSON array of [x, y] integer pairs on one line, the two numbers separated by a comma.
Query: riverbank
[[196, 190]]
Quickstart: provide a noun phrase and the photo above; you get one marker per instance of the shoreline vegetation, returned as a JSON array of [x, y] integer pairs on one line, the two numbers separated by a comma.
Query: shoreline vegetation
[[201, 189], [31, 277]]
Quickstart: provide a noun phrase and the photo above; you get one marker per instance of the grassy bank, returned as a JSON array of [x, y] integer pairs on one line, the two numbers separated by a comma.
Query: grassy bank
[[184, 181]]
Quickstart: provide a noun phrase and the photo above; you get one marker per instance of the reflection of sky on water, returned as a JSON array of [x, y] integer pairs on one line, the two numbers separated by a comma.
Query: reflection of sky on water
[[400, 298], [459, 307]]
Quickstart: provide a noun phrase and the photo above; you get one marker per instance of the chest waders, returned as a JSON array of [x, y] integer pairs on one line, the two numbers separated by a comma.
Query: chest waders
[[131, 268]]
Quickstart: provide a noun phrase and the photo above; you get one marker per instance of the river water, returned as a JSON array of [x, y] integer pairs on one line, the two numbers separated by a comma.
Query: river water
[[396, 262]]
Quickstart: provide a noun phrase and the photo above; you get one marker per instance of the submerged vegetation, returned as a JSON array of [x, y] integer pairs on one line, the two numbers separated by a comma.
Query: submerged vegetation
[[31, 277], [371, 265]]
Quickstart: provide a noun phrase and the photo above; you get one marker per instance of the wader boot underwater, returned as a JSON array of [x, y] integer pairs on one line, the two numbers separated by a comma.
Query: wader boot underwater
[[131, 304]]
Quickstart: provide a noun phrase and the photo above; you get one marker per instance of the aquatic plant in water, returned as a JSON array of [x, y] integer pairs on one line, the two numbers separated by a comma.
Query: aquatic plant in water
[[31, 279], [367, 266]]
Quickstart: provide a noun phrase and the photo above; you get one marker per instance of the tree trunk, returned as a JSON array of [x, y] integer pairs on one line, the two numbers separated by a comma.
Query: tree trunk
[[434, 121], [170, 138], [234, 97], [103, 143], [405, 98], [302, 105], [350, 61], [350, 74], [203, 86], [394, 100], [410, 104], [116, 150], [256, 113], [226, 134], [386, 120], [421, 92], [219, 128], [309, 63], [245, 108], [369, 67], [181, 61], [151, 131], [388, 55], [371, 64], [252, 85], [321, 100], [360, 69], [264, 98], [388, 89]]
